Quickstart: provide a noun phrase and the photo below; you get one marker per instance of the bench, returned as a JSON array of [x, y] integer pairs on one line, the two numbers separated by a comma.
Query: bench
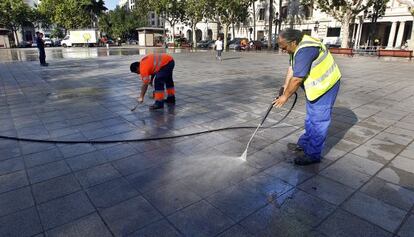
[[395, 53], [346, 51]]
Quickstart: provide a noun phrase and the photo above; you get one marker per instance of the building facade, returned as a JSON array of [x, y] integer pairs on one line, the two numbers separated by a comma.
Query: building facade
[[393, 30]]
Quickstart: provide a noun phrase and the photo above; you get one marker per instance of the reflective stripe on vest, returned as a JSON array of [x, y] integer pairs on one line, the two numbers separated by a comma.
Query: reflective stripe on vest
[[157, 63], [324, 71]]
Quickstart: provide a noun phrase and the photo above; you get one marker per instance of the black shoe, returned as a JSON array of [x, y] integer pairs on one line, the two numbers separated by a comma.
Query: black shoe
[[44, 64], [305, 160], [170, 100], [294, 147], [156, 105]]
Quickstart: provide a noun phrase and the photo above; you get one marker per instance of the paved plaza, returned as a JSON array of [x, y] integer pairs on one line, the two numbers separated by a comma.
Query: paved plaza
[[197, 185]]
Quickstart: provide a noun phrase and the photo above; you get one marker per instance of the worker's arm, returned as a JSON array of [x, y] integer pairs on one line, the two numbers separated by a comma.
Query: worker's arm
[[289, 76], [290, 89], [144, 87], [296, 73]]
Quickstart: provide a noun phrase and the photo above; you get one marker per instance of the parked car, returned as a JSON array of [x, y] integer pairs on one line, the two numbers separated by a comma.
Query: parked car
[[256, 45], [48, 42], [235, 44], [207, 44], [57, 42], [132, 41], [182, 42], [201, 42], [25, 44]]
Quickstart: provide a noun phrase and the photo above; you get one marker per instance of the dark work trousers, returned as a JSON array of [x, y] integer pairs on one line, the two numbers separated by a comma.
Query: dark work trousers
[[42, 56], [164, 79]]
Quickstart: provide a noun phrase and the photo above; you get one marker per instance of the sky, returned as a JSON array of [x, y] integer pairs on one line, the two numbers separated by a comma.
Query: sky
[[111, 4]]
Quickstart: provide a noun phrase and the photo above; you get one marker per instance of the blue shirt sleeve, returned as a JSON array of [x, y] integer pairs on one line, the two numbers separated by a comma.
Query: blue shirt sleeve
[[303, 61]]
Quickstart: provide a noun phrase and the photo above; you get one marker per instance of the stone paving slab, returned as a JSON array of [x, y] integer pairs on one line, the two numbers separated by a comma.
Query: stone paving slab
[[198, 186]]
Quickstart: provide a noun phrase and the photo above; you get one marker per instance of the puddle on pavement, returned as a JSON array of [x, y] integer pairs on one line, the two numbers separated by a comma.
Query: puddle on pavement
[[76, 93]]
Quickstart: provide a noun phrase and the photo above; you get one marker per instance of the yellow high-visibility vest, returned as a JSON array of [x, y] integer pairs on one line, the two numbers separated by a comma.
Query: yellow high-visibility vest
[[324, 71]]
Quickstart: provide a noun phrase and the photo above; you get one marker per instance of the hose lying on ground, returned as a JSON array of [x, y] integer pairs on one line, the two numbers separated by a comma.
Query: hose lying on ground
[[144, 139]]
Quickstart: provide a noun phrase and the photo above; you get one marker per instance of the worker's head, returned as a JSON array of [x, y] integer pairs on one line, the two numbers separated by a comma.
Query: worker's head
[[289, 39], [134, 67]]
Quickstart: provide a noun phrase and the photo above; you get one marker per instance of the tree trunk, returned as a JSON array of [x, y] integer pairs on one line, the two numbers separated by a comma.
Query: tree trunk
[[226, 28], [269, 41], [345, 30], [173, 34], [16, 38], [232, 31], [194, 35], [254, 21]]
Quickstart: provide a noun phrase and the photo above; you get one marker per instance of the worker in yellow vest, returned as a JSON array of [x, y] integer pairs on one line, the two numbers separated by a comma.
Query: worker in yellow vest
[[313, 68]]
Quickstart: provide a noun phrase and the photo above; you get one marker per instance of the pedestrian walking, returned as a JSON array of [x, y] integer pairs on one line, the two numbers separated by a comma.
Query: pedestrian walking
[[219, 47], [313, 68]]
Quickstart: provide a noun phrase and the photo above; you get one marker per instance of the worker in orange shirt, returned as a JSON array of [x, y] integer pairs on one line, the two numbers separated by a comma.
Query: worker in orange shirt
[[156, 69]]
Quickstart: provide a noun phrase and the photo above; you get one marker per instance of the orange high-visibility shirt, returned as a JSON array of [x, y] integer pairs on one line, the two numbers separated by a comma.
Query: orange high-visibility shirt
[[152, 63]]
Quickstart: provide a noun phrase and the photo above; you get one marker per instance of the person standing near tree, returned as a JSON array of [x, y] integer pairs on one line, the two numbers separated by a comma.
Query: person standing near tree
[[41, 47]]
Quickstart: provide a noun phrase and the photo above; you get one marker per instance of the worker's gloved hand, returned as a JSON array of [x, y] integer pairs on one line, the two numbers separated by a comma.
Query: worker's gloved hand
[[140, 99]]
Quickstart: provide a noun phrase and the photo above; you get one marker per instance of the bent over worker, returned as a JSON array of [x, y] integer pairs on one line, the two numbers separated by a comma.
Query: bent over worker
[[313, 68], [156, 69]]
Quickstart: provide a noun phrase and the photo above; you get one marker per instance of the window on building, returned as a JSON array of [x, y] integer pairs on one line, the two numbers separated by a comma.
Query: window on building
[[261, 14], [153, 23], [152, 15], [334, 32]]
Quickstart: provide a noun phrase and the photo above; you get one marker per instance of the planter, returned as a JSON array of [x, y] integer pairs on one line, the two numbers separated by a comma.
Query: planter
[[395, 53], [346, 51]]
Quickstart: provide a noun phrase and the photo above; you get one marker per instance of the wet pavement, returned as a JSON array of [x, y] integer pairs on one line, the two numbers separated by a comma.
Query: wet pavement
[[198, 185]]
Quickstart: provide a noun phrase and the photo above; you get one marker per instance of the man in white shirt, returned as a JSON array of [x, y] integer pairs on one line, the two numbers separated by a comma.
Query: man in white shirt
[[219, 47]]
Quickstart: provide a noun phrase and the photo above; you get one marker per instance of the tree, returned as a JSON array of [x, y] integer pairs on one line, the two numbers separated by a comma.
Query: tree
[[295, 12], [378, 7], [13, 15], [195, 11], [94, 9], [269, 41], [343, 11], [121, 23], [171, 10], [230, 12], [70, 14]]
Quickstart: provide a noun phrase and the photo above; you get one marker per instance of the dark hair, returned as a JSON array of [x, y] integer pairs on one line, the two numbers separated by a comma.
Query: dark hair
[[134, 67], [291, 35]]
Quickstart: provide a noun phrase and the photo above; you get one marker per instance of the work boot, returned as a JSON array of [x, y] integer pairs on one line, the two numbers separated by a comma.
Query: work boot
[[294, 147], [170, 100], [157, 105], [305, 160]]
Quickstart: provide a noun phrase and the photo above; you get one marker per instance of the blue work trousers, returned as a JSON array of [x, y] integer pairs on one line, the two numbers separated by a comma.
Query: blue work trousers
[[317, 121]]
